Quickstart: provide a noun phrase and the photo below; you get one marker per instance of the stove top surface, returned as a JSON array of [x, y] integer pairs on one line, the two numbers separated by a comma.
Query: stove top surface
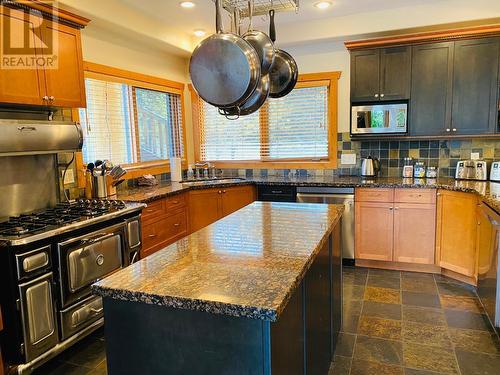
[[83, 211]]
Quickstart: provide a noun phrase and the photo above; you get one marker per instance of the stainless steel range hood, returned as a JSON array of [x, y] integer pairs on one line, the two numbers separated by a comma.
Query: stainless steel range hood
[[23, 137]]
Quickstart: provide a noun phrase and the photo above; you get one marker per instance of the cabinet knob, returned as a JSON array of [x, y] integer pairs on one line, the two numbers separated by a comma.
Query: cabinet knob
[[223, 191], [448, 130], [454, 129], [51, 98], [46, 98], [220, 192], [376, 95], [382, 95], [391, 208]]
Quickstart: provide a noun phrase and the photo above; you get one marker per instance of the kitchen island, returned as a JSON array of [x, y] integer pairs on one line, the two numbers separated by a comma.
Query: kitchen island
[[257, 292]]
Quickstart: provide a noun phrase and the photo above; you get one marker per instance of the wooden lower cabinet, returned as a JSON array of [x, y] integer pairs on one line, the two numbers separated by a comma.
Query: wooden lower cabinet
[[210, 205], [414, 233], [456, 232], [1, 329], [373, 237]]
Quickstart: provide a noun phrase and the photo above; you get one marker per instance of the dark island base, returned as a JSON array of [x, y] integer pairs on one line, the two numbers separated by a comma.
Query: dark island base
[[150, 339]]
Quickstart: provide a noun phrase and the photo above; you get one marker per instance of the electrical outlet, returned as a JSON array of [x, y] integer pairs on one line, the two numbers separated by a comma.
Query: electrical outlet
[[348, 159], [69, 178], [474, 155]]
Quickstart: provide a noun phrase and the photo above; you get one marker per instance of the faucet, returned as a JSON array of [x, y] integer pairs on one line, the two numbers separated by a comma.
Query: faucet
[[208, 170]]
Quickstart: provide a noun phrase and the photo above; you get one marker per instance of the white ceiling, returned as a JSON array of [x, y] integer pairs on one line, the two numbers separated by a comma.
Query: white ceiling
[[165, 25]]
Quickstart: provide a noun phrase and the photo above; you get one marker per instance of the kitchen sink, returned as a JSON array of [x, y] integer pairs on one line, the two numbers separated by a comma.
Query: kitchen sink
[[212, 181]]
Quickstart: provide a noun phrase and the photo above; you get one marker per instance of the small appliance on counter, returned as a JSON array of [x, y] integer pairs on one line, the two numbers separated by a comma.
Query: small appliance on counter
[[472, 170], [495, 171], [370, 167], [379, 119]]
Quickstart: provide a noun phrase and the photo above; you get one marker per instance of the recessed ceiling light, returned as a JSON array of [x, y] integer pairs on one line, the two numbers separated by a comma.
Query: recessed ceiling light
[[199, 32], [187, 4], [323, 4]]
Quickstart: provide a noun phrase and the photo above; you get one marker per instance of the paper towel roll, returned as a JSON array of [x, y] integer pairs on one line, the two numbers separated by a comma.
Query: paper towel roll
[[176, 169]]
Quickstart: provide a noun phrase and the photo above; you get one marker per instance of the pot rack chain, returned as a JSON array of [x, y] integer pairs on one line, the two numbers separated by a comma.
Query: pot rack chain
[[261, 7]]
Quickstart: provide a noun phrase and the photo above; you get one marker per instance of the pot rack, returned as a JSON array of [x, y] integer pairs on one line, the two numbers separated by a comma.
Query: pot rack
[[261, 7]]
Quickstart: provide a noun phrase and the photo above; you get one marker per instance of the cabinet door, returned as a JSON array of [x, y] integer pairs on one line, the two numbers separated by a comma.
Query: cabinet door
[[21, 86], [374, 230], [235, 198], [414, 233], [204, 208], [395, 73], [475, 86], [365, 75], [65, 85], [431, 89], [456, 232]]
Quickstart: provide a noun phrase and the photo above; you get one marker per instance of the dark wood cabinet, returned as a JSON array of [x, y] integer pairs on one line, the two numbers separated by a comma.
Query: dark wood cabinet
[[475, 86], [431, 89], [380, 74]]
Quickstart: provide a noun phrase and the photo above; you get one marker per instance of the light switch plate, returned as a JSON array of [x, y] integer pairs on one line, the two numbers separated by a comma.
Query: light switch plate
[[69, 178], [474, 155], [348, 159]]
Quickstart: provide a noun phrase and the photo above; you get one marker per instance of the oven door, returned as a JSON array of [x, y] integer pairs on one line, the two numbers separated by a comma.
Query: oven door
[[379, 119], [38, 316], [89, 258]]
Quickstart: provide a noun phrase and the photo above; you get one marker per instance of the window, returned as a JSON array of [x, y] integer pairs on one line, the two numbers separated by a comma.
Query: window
[[128, 124], [300, 127]]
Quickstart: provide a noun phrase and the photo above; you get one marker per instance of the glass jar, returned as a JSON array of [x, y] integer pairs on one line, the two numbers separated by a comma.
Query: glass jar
[[408, 168], [431, 172], [419, 170]]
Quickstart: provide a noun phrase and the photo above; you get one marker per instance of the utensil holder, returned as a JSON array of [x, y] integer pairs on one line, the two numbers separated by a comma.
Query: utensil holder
[[99, 187]]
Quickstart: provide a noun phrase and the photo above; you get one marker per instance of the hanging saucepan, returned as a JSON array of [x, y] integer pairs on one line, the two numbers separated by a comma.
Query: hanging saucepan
[[224, 68], [284, 72], [260, 42]]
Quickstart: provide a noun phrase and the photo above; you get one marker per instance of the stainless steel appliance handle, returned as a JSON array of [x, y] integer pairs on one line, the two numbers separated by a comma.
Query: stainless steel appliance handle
[[110, 230], [347, 197]]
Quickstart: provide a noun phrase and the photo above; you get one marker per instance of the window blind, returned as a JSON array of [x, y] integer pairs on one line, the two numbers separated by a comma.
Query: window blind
[[127, 124], [223, 139], [292, 127]]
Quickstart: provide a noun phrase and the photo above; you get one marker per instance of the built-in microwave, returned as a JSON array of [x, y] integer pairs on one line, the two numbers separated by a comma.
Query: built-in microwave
[[387, 119]]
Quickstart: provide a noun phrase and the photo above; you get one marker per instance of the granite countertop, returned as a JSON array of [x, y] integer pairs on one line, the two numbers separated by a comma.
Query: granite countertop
[[488, 191], [247, 264]]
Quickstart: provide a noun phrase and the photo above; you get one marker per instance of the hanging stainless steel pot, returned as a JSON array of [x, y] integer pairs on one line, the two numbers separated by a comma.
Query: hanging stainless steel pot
[[261, 42], [252, 104], [284, 73], [224, 68]]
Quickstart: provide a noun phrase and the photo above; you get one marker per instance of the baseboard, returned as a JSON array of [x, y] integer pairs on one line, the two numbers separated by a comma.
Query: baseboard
[[396, 266]]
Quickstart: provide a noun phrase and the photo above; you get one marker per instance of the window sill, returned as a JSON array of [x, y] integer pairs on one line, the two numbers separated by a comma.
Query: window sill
[[154, 168]]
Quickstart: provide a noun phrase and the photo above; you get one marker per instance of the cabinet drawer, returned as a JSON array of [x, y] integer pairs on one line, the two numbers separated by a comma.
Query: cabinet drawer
[[162, 232], [427, 196], [374, 195], [175, 202], [153, 210]]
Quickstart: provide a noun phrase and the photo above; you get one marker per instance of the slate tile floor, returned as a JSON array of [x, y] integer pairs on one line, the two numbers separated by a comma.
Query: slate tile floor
[[413, 324], [394, 323]]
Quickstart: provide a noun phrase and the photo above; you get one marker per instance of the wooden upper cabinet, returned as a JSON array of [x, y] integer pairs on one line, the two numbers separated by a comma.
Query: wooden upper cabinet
[[456, 232], [61, 85], [414, 233], [431, 89], [380, 74], [365, 75], [204, 208], [25, 86], [65, 85], [235, 198], [374, 231], [475, 86], [395, 73]]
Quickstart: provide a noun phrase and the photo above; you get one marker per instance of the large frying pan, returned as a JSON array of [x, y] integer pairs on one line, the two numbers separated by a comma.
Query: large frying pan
[[284, 72], [224, 68]]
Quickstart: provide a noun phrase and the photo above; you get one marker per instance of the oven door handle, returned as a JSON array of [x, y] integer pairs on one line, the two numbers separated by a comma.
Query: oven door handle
[[96, 311], [97, 238]]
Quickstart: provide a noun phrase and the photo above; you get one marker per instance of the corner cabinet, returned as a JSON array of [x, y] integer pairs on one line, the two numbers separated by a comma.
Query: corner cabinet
[[60, 86], [380, 74]]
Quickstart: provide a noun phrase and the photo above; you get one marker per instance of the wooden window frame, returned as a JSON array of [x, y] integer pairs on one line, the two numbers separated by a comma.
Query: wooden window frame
[[133, 79], [304, 80]]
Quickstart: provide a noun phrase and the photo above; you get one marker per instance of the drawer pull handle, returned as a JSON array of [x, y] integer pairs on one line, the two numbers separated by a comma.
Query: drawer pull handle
[[177, 225], [152, 236], [175, 202], [150, 211]]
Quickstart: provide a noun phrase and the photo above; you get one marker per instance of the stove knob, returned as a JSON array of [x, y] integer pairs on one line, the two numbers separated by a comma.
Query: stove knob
[[81, 201], [107, 203], [87, 202], [95, 202]]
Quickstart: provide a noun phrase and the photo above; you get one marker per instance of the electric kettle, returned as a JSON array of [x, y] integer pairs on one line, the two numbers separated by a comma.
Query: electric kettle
[[370, 167]]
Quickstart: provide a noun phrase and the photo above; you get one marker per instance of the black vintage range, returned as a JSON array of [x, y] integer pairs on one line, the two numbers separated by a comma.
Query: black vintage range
[[48, 260]]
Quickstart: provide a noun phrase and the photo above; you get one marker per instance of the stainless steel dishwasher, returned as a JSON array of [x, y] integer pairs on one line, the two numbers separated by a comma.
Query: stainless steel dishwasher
[[344, 196]]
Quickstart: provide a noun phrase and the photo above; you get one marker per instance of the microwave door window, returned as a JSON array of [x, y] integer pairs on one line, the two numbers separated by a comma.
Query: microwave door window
[[361, 123], [377, 120]]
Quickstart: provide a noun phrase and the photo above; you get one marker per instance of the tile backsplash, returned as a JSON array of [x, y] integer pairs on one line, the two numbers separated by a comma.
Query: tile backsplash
[[443, 154]]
